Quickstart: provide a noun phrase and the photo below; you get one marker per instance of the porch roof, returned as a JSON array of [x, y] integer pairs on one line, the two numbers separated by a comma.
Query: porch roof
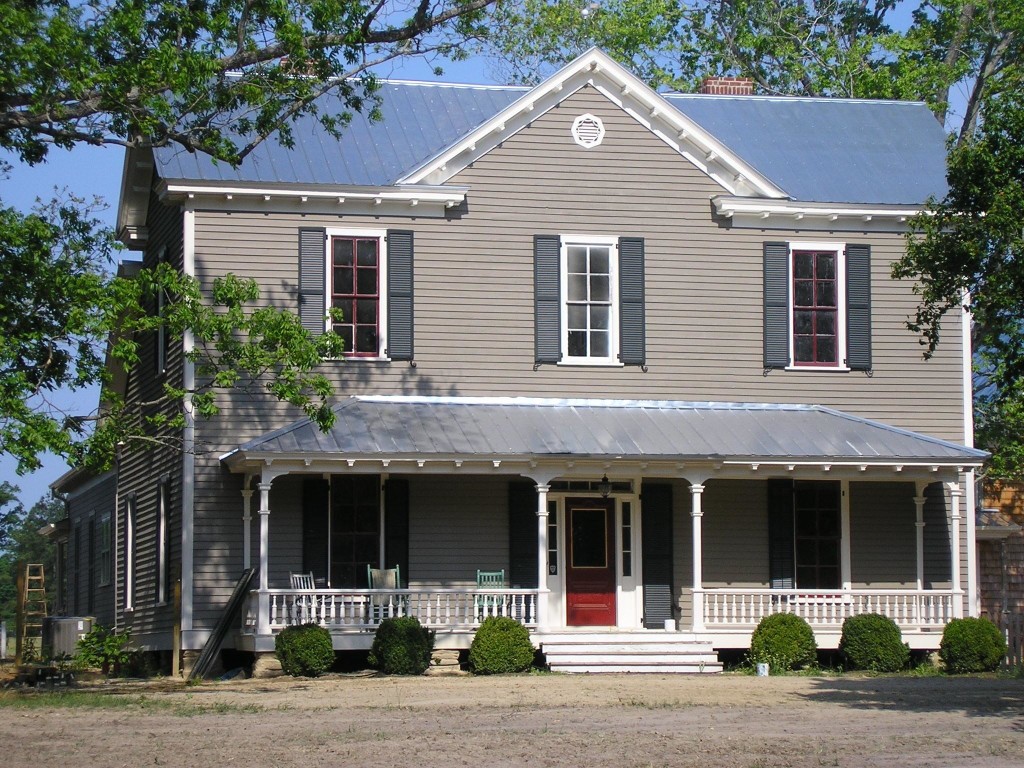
[[447, 428]]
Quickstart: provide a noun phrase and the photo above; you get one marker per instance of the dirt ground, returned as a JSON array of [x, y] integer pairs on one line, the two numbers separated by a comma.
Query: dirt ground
[[535, 720]]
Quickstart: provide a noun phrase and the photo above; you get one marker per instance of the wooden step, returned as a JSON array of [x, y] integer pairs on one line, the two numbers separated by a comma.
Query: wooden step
[[639, 652]]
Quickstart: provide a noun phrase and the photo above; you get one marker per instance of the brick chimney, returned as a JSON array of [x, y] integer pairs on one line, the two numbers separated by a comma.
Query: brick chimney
[[728, 86]]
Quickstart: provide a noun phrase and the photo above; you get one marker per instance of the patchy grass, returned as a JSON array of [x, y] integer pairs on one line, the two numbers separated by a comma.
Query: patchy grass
[[141, 704]]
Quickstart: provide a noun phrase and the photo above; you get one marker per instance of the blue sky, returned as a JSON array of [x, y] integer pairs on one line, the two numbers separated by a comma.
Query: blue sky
[[96, 171]]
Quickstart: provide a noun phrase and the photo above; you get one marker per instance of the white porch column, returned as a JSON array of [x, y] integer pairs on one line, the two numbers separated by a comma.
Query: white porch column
[[246, 527], [696, 514], [919, 501], [542, 556], [955, 492], [263, 614]]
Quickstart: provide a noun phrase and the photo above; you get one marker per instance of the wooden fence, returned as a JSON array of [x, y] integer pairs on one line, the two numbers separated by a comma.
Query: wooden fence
[[1012, 625]]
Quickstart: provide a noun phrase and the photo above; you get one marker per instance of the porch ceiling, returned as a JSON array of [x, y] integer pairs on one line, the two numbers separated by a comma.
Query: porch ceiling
[[447, 428]]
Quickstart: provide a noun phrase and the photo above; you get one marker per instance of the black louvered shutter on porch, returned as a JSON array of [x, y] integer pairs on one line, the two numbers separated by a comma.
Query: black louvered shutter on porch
[[400, 298], [858, 303], [396, 527], [632, 338], [315, 513], [656, 501], [776, 305], [780, 534], [547, 297], [522, 535], [313, 279]]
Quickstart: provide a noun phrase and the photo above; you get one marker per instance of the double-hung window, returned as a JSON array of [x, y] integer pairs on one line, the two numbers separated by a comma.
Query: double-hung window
[[817, 306], [367, 275], [589, 300], [818, 326], [590, 307], [355, 280]]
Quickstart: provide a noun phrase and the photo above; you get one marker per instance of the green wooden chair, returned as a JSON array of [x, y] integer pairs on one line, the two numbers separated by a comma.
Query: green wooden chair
[[381, 605], [490, 605]]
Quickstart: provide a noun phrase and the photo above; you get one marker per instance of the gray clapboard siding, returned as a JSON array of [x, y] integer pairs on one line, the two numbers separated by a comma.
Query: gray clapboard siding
[[457, 525], [883, 549]]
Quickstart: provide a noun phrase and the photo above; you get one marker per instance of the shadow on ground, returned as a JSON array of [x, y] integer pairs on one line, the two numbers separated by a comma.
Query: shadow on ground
[[975, 696]]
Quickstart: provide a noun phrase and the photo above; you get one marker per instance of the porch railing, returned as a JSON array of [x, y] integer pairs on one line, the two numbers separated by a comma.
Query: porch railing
[[356, 610], [745, 607]]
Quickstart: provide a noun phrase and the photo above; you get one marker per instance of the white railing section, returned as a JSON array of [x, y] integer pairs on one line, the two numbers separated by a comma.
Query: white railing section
[[911, 608], [363, 609]]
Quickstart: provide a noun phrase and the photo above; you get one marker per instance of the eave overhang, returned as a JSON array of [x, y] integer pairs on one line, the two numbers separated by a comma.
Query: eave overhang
[[751, 213], [421, 199]]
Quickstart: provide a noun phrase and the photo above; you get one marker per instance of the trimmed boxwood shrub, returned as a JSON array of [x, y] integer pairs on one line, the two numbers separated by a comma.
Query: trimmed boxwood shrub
[[500, 645], [784, 642], [873, 642], [305, 650], [971, 645], [402, 646]]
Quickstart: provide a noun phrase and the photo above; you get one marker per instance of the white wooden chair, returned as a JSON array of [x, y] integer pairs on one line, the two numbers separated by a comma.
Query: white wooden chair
[[383, 605], [304, 605]]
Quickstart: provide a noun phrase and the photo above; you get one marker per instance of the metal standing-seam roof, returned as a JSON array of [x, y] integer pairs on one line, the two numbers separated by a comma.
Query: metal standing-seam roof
[[830, 150], [816, 150], [427, 427]]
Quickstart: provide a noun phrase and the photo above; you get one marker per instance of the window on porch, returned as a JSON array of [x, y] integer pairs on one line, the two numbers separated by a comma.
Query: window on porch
[[355, 528]]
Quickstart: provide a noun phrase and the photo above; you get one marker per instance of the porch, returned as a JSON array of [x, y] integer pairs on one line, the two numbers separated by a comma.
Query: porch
[[729, 617]]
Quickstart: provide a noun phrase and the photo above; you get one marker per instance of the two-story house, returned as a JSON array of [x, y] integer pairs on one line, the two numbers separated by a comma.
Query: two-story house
[[640, 354]]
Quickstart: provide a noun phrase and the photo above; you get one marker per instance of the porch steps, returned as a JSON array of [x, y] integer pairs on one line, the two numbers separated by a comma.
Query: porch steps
[[649, 652]]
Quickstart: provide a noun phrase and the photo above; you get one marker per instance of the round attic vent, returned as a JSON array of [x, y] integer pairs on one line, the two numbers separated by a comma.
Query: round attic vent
[[588, 131]]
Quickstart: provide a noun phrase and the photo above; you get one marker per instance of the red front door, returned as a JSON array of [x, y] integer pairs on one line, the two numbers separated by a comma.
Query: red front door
[[590, 571]]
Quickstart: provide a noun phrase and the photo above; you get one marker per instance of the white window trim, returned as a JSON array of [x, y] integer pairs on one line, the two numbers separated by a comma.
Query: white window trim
[[104, 552], [129, 553], [382, 286], [161, 331], [162, 542], [839, 248], [613, 320]]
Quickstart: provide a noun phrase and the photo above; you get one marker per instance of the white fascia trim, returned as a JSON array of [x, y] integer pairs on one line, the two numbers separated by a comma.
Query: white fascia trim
[[596, 68], [731, 207], [408, 194], [897, 466]]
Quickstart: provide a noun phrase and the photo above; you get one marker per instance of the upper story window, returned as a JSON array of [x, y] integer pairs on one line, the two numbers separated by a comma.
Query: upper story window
[[368, 275], [817, 322], [355, 280], [590, 308], [817, 306], [588, 300]]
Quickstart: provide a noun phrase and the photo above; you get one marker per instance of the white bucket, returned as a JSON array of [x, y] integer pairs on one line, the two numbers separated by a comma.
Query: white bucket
[[670, 625], [762, 670]]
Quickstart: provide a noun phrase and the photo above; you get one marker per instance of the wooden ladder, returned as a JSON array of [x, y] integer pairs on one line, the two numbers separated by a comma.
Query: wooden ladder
[[31, 610]]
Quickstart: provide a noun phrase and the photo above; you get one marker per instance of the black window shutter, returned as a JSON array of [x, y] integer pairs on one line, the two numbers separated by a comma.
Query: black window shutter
[[400, 284], [780, 534], [522, 535], [315, 512], [858, 304], [776, 305], [547, 297], [656, 500], [632, 340], [396, 527], [312, 279]]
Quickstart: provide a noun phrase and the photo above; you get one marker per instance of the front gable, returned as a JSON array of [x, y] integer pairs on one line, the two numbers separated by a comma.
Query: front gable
[[596, 70]]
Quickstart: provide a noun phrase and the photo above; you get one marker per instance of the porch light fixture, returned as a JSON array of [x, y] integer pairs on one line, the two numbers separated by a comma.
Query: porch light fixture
[[604, 487]]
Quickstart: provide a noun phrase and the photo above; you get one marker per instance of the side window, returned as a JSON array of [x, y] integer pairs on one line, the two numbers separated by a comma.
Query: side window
[[104, 551], [817, 306], [355, 290]]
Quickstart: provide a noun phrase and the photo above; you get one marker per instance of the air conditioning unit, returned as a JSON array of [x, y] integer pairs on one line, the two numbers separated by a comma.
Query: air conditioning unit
[[62, 633]]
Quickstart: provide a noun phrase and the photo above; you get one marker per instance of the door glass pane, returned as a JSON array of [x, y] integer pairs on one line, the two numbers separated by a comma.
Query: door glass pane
[[342, 253], [589, 544]]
